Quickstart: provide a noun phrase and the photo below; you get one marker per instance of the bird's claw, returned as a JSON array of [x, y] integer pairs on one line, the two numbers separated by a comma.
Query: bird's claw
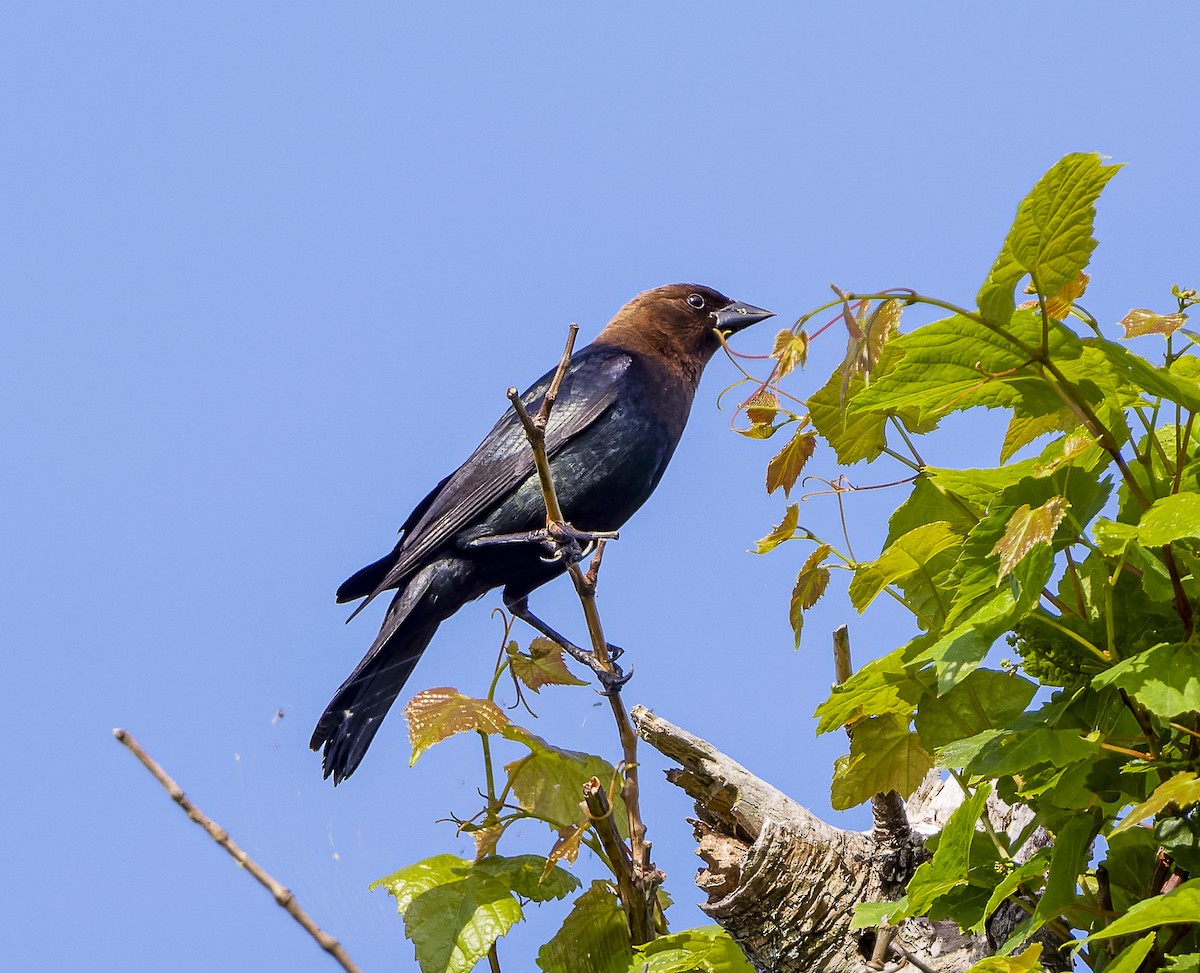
[[614, 651], [612, 680]]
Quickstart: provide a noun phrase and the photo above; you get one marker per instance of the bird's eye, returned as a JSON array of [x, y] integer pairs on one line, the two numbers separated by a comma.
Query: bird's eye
[[696, 301]]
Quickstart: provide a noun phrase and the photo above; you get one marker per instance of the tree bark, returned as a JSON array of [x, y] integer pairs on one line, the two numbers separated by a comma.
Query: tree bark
[[784, 884]]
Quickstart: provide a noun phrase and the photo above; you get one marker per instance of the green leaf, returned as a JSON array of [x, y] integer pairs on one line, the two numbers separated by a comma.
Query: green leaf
[[435, 714], [1130, 862], [790, 351], [1142, 321], [543, 666], [594, 938], [1051, 237], [810, 585], [1027, 962], [957, 363], [1165, 679], [1182, 789], [549, 782], [706, 950], [1018, 751], [979, 487], [950, 866], [904, 557], [528, 877], [1179, 964], [784, 469], [1130, 958], [453, 913], [1027, 527], [1072, 846], [867, 915], [783, 531], [1170, 519], [1027, 874], [880, 687], [1180, 905], [854, 437], [1022, 430], [884, 756], [1142, 375], [983, 700]]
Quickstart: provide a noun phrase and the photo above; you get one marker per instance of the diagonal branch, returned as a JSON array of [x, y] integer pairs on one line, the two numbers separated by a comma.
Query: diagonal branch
[[282, 895]]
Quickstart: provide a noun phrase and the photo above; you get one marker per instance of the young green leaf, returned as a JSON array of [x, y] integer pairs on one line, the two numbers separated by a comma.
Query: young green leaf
[[593, 938], [548, 783], [784, 469], [884, 756], [958, 363], [543, 666], [1182, 789], [790, 351], [983, 700], [854, 437], [1180, 905], [435, 714], [1142, 321], [452, 912], [1027, 962], [530, 876], [1129, 960], [783, 531], [1165, 679], [904, 557], [810, 585], [882, 686], [706, 950], [1170, 519], [1027, 527], [1051, 237]]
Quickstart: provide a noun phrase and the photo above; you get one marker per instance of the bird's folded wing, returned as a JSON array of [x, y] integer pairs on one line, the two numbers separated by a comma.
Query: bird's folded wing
[[504, 459]]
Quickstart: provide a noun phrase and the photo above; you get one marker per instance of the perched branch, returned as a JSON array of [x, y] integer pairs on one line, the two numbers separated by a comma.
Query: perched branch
[[283, 896], [643, 878]]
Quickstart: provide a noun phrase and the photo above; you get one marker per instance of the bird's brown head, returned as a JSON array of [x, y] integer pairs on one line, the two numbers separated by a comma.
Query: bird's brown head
[[676, 323]]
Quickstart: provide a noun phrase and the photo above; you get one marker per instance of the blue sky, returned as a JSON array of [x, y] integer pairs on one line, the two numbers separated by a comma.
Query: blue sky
[[267, 271]]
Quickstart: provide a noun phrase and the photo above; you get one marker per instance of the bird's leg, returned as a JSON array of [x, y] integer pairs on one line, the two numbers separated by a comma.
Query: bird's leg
[[611, 679], [561, 541]]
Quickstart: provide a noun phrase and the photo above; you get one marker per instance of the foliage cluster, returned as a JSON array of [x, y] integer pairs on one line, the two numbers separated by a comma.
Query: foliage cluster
[[1081, 547]]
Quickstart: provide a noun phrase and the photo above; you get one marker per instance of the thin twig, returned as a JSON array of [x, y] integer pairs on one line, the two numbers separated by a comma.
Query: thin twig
[[282, 896]]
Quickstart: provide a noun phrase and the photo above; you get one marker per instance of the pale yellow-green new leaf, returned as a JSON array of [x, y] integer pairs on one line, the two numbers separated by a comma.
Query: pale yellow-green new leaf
[[1027, 527], [435, 714], [783, 531], [790, 350], [784, 469], [1182, 789], [1142, 321], [1027, 962]]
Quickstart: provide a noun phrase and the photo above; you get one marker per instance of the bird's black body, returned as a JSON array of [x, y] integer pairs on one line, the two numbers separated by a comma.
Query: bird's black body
[[618, 417]]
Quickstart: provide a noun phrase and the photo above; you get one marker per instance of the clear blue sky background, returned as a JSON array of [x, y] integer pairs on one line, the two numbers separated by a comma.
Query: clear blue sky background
[[267, 270]]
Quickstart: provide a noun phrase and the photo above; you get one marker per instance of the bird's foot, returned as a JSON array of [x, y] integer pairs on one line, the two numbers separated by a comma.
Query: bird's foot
[[559, 540], [611, 677], [564, 542]]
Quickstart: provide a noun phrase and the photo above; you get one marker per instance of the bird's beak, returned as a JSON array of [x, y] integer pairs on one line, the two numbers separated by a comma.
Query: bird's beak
[[735, 316]]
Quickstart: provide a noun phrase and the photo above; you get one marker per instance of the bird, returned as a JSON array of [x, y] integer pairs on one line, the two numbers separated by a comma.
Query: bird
[[619, 414]]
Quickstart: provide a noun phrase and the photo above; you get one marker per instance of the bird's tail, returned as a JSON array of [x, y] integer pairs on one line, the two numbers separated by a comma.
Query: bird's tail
[[353, 716]]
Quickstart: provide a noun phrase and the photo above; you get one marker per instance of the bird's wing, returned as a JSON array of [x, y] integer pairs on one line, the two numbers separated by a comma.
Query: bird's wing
[[504, 459]]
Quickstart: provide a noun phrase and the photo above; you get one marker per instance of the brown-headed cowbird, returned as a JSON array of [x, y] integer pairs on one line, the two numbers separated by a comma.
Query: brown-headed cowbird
[[620, 411]]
